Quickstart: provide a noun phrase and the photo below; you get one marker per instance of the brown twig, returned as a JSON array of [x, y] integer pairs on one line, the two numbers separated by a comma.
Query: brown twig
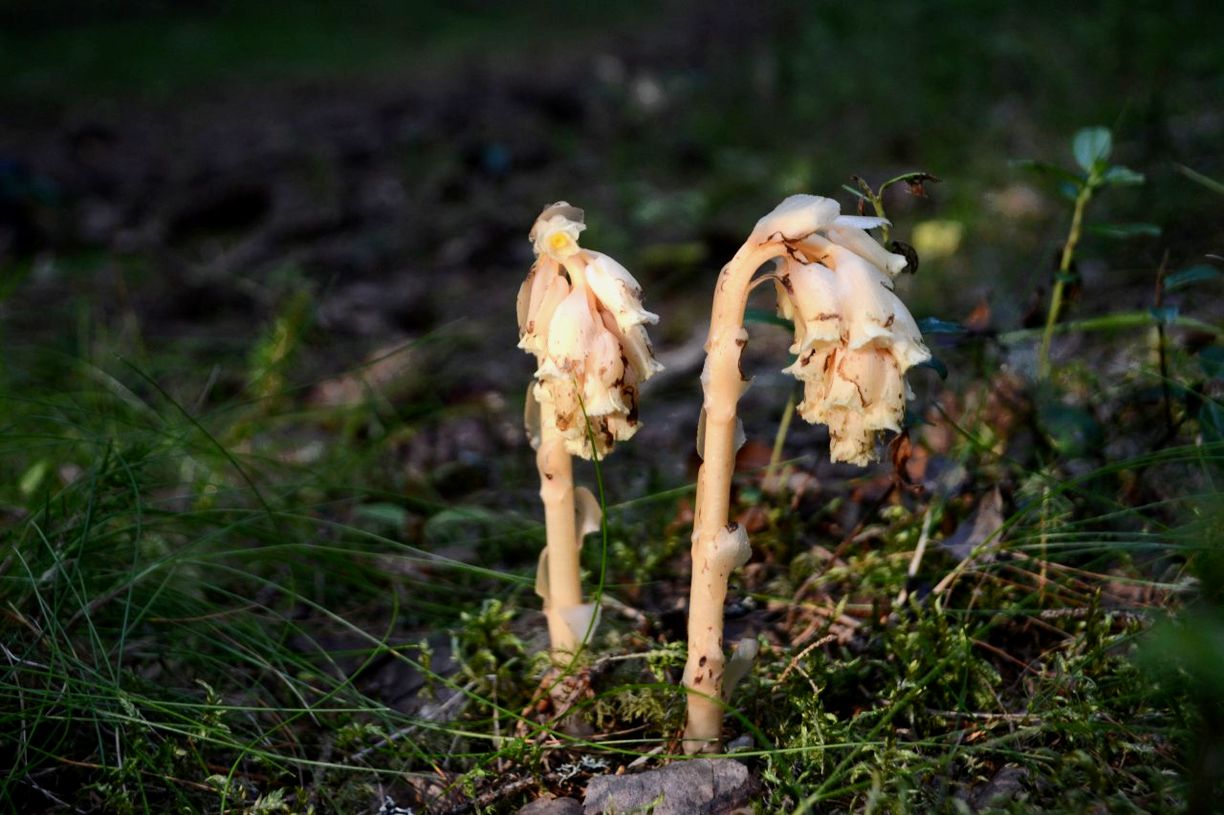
[[513, 786], [825, 640]]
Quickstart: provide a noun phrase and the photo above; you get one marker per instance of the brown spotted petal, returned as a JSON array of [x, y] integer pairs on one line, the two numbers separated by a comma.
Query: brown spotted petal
[[854, 339], [859, 242], [811, 300], [871, 312], [571, 330], [604, 372], [856, 394], [539, 297], [617, 290], [580, 312]]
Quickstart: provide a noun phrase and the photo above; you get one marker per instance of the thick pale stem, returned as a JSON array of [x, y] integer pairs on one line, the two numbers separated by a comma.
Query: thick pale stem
[[557, 493], [712, 561]]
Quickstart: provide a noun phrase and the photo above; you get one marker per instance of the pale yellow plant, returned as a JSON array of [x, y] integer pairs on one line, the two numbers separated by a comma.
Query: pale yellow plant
[[854, 341], [580, 313]]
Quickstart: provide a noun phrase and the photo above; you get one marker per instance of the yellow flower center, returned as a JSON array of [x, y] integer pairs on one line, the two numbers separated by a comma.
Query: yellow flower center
[[559, 241]]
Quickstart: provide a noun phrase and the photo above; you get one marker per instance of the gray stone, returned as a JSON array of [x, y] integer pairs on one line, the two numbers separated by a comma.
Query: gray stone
[[701, 786], [1007, 786], [552, 806]]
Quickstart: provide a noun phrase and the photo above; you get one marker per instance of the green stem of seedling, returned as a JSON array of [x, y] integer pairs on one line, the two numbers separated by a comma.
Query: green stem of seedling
[[775, 455], [1060, 280], [876, 197], [1116, 322], [877, 203]]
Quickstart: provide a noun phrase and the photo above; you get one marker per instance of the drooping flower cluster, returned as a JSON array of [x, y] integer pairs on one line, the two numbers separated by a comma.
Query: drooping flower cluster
[[854, 338], [580, 312]]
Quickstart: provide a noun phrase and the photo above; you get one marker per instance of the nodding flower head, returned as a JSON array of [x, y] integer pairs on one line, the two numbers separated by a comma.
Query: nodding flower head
[[580, 312], [555, 232], [854, 338]]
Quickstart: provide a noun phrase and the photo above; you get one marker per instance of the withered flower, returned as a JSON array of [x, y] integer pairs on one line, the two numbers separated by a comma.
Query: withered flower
[[580, 312], [854, 340]]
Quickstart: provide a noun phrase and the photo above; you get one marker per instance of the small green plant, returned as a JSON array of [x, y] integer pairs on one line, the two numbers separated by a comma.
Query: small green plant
[[1092, 148]]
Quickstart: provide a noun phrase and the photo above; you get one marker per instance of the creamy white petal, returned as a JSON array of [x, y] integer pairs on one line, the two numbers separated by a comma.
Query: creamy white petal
[[851, 445], [604, 373], [786, 309], [739, 665], [570, 331], [617, 290], [815, 370], [581, 314], [556, 236], [541, 581], [907, 345], [523, 301], [813, 291], [868, 305], [795, 218], [874, 313], [563, 208], [730, 548], [861, 221], [563, 396], [582, 620], [531, 417], [640, 354], [552, 290], [888, 410], [860, 243], [855, 382], [588, 517], [621, 427]]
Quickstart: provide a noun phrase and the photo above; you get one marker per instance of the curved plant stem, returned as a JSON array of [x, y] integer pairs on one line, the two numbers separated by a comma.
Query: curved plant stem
[[1060, 280], [714, 557], [557, 492]]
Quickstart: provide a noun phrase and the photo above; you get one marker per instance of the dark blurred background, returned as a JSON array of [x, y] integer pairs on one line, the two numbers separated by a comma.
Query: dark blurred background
[[171, 174]]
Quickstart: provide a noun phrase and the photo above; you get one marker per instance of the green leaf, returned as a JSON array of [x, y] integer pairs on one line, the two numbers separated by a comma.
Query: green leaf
[[1070, 429], [1121, 176], [382, 514], [934, 325], [1190, 276], [1052, 170], [1092, 145], [766, 317], [1211, 360], [1125, 230], [1164, 314], [1187, 650], [33, 477]]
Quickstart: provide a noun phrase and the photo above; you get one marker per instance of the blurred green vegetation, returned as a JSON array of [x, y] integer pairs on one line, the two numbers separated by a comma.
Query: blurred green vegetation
[[66, 51]]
